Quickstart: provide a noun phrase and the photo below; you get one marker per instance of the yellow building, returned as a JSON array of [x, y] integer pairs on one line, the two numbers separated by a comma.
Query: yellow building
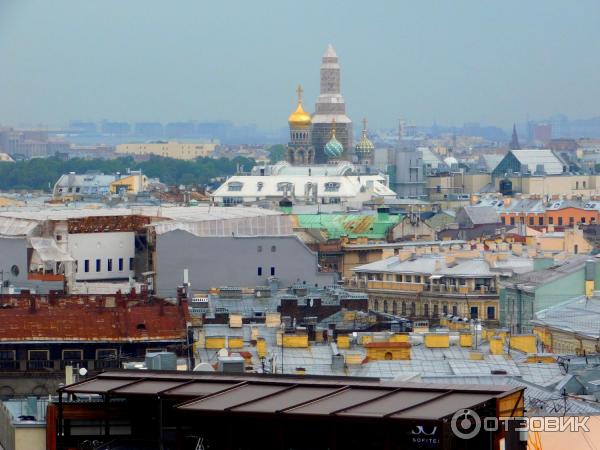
[[171, 149], [132, 184]]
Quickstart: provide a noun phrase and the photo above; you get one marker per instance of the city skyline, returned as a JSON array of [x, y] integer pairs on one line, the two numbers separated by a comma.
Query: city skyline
[[423, 63]]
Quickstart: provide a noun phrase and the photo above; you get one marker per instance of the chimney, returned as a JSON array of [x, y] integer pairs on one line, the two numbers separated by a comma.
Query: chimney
[[590, 277]]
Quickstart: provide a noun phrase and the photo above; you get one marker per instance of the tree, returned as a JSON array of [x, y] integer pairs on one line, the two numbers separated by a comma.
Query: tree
[[276, 153]]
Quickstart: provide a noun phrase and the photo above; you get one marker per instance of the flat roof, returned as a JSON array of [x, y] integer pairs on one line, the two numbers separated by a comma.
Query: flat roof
[[217, 393]]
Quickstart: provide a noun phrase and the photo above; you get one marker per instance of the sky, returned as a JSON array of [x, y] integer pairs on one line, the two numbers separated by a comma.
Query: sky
[[422, 60]]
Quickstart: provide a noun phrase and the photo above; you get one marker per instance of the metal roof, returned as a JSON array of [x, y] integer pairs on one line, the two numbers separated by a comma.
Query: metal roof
[[534, 157], [351, 225], [579, 315], [299, 396]]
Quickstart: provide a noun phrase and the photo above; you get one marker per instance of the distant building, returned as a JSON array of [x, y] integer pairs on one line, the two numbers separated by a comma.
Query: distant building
[[324, 184], [92, 184], [210, 263], [550, 284], [530, 162], [330, 110], [171, 149]]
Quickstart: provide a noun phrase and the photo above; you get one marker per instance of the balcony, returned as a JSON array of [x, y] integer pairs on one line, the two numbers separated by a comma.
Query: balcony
[[35, 276], [42, 364], [396, 286], [9, 365]]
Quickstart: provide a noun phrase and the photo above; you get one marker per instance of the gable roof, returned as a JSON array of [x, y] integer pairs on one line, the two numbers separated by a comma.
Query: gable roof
[[479, 215]]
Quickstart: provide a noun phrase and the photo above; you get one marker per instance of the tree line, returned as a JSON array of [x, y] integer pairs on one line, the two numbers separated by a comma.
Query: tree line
[[42, 174]]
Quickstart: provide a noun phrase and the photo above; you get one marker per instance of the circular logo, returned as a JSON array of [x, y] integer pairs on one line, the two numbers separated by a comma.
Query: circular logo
[[465, 423]]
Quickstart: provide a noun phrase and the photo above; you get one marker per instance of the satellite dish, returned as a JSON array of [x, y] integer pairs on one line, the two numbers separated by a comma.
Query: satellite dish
[[83, 371]]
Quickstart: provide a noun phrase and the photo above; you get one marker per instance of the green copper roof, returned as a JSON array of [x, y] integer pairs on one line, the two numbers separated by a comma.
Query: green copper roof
[[351, 225], [333, 149]]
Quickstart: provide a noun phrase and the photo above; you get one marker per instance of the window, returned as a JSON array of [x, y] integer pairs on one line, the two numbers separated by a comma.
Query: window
[[285, 186], [445, 309], [531, 221], [436, 310], [426, 309], [72, 355], [551, 220], [259, 186], [512, 220], [474, 312], [560, 221], [540, 220], [38, 355], [584, 184], [522, 219], [98, 265], [398, 278], [259, 271], [571, 220], [376, 305], [259, 248], [576, 249], [403, 308], [7, 355], [109, 265], [454, 310], [234, 186], [232, 200], [583, 220], [413, 309], [385, 306], [577, 185], [130, 263], [86, 265], [14, 270], [273, 248], [394, 308], [491, 313], [120, 264], [332, 187], [417, 278], [272, 271], [408, 278]]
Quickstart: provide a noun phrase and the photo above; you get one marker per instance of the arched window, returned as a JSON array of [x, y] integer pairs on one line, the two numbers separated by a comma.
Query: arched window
[[426, 309], [394, 308], [376, 305], [413, 309], [388, 356], [403, 308], [385, 306]]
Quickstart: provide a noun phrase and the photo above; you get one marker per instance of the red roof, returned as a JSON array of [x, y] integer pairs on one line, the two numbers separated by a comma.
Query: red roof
[[90, 318]]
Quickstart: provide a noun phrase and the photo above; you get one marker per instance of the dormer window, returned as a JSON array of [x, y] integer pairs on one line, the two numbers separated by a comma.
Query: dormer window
[[332, 187], [234, 186], [282, 187], [259, 186]]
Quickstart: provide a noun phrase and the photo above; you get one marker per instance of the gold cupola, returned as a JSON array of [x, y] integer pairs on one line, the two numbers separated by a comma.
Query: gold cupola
[[299, 118]]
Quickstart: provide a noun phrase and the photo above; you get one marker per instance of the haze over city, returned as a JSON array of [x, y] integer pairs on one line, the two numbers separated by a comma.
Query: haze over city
[[450, 62], [309, 225]]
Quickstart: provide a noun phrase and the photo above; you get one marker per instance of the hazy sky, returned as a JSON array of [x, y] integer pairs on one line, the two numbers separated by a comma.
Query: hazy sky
[[449, 61]]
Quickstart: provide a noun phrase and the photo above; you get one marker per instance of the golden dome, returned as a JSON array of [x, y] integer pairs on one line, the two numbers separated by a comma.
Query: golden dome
[[300, 118]]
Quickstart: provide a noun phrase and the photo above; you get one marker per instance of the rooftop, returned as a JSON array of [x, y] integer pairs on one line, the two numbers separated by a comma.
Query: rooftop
[[84, 318]]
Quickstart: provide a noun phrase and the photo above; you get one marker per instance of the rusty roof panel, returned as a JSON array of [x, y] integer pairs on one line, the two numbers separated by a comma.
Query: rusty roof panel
[[148, 387], [98, 385], [444, 406], [339, 401], [390, 403], [285, 399], [199, 388], [234, 397]]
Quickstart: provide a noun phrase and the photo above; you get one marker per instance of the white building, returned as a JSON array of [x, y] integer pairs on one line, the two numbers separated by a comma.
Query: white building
[[339, 184]]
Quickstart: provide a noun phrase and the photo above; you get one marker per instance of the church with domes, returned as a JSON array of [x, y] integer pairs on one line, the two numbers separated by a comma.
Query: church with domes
[[326, 136]]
